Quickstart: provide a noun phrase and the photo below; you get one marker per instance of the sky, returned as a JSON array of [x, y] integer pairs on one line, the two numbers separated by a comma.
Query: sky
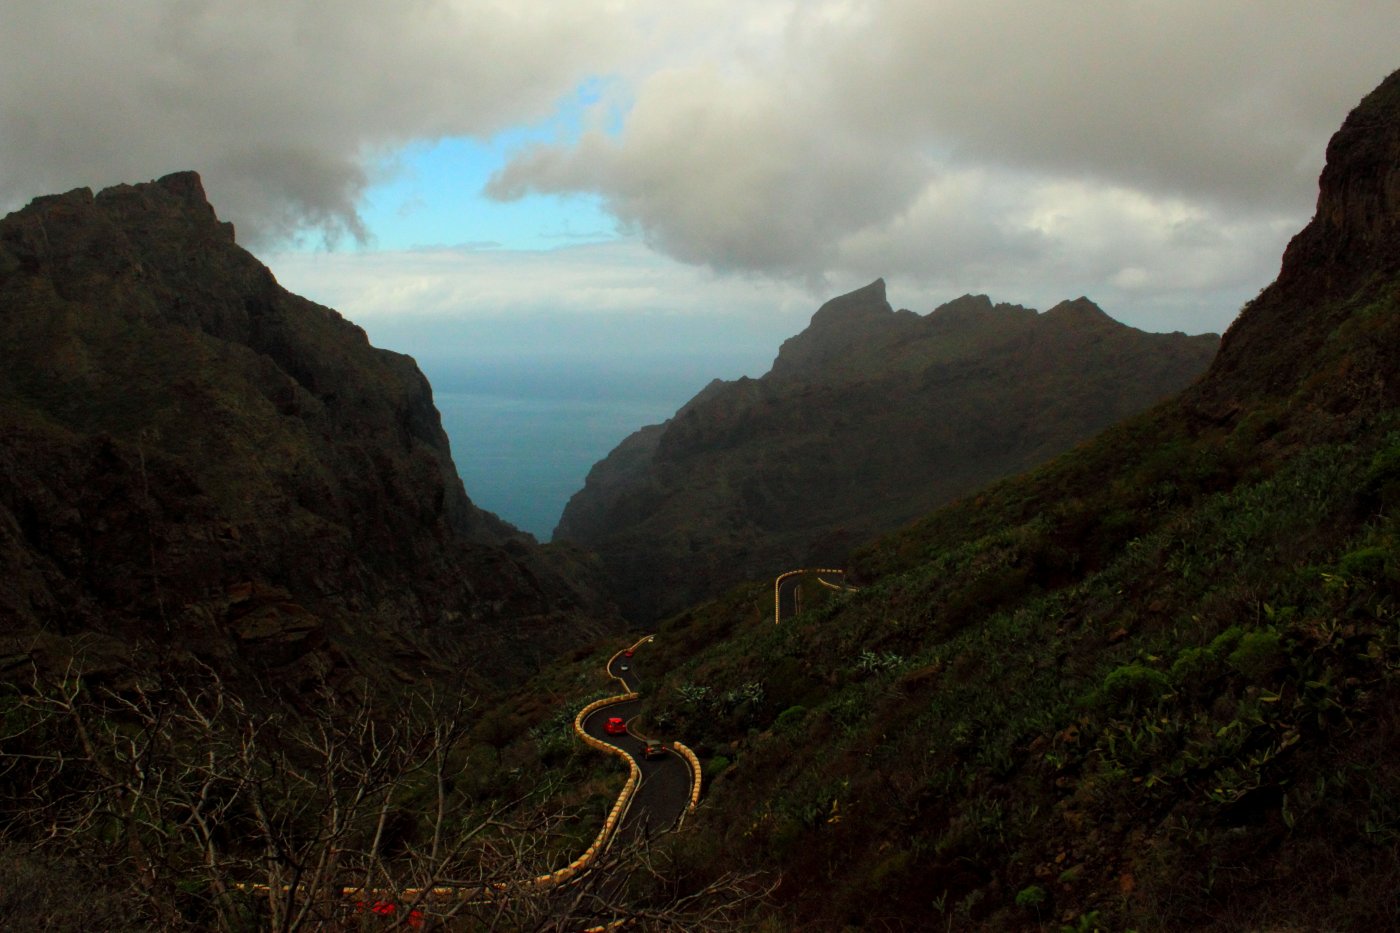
[[632, 180]]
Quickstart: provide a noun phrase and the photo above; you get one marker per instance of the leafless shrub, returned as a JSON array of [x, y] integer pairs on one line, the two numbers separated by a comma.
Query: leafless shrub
[[199, 811]]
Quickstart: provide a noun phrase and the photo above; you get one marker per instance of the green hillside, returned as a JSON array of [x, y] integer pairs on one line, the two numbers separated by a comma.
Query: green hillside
[[1150, 686]]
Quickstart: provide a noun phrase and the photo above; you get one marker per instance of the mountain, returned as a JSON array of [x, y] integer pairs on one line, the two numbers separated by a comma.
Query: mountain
[[198, 464], [1153, 684], [867, 419]]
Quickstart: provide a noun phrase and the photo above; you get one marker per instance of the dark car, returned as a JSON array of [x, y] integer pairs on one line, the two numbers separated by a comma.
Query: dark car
[[615, 726], [653, 750]]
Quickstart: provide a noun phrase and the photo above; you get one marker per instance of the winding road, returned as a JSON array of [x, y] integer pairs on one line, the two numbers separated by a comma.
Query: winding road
[[666, 789]]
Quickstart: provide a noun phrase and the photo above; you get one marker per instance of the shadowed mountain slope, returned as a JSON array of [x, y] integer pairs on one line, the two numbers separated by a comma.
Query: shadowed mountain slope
[[868, 418], [194, 460]]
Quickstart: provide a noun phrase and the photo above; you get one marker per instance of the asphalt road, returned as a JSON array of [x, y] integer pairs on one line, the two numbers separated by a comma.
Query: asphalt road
[[665, 790]]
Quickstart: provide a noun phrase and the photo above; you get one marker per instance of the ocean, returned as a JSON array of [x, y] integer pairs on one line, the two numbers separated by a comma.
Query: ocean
[[524, 434]]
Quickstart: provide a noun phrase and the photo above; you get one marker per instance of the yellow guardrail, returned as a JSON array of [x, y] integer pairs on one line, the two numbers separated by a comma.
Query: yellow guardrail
[[839, 587], [778, 586], [624, 799], [694, 764], [629, 790]]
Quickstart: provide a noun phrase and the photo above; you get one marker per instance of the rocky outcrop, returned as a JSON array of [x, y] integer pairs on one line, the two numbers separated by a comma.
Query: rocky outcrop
[[1350, 248], [868, 418], [193, 459]]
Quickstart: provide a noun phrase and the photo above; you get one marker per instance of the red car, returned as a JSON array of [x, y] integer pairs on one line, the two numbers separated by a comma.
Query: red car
[[629, 652], [615, 726]]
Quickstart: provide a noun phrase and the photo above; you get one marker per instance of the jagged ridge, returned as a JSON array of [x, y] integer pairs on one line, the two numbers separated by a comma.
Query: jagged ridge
[[868, 418]]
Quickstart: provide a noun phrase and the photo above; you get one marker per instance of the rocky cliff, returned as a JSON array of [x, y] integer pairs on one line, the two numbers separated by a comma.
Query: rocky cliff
[[868, 418], [1297, 326], [194, 460]]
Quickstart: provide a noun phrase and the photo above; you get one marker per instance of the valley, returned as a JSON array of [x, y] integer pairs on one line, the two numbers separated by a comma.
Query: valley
[[1114, 643]]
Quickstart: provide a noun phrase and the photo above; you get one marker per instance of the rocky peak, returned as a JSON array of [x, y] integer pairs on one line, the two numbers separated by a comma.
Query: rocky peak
[[965, 306], [1081, 312], [858, 336], [976, 313], [1350, 248], [178, 192], [868, 418], [841, 323], [862, 304], [1358, 203]]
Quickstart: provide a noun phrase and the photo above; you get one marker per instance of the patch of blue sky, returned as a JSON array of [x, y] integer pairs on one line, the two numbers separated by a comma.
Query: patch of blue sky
[[432, 192]]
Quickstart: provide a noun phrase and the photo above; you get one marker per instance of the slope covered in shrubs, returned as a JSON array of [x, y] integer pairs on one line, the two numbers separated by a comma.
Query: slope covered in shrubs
[[1152, 685]]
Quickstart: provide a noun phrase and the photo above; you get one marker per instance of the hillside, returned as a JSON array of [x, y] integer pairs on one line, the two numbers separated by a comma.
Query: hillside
[[198, 466], [867, 419], [1153, 685]]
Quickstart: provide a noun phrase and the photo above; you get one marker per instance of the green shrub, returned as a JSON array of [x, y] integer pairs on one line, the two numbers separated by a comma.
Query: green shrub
[[1194, 666], [1225, 642], [1366, 564], [1031, 897], [1133, 684], [1381, 484], [1085, 923], [789, 718], [1258, 655]]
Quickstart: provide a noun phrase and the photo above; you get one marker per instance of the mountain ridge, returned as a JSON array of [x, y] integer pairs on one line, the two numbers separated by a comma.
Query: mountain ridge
[[867, 418], [189, 448]]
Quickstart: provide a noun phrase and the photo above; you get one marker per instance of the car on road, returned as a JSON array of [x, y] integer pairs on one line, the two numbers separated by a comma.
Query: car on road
[[629, 652], [623, 667], [615, 726], [653, 750]]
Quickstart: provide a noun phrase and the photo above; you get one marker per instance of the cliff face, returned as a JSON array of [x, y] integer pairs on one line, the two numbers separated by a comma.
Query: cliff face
[[1348, 253], [192, 456], [868, 418]]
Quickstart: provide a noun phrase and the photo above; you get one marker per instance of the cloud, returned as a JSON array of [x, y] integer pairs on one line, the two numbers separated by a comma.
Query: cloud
[[1154, 156], [616, 307], [976, 141], [614, 278], [760, 183], [285, 107], [1156, 262], [1200, 98]]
